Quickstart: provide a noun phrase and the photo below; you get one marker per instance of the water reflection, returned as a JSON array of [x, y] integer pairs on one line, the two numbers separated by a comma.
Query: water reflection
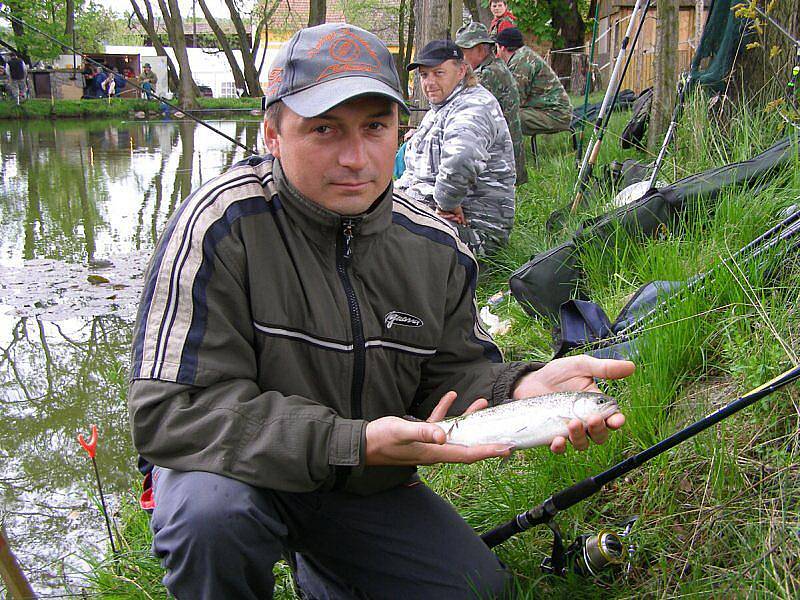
[[81, 207]]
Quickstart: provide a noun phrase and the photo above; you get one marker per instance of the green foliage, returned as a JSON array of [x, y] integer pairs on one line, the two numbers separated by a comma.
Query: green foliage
[[536, 18], [94, 24]]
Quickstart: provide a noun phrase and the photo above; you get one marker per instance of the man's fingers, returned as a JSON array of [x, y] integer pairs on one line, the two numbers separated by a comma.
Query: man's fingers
[[428, 433], [441, 409], [606, 368], [577, 435], [479, 404], [451, 453], [558, 445], [598, 431], [615, 421]]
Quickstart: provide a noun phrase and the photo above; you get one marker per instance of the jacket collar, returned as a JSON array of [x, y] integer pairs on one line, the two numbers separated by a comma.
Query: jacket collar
[[323, 225]]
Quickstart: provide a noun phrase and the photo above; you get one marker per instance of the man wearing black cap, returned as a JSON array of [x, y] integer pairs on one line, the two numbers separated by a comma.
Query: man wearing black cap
[[460, 160], [544, 104], [298, 319]]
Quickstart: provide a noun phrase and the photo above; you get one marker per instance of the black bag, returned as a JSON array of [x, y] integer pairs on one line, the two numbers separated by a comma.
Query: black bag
[[634, 132], [547, 280], [554, 276]]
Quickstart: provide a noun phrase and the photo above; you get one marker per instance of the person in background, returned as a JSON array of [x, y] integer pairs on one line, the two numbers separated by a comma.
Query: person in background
[[17, 72], [493, 74], [149, 81], [460, 160], [89, 85], [544, 103], [503, 17], [119, 82]]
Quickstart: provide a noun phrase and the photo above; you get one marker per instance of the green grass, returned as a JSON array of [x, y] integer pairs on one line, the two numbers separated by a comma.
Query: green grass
[[719, 515], [39, 108]]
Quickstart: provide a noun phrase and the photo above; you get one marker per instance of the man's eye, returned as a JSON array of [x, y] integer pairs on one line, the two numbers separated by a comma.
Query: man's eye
[[322, 129], [377, 125]]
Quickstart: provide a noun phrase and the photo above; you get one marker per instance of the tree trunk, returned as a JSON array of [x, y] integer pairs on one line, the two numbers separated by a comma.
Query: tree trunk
[[759, 73], [148, 24], [317, 12], [19, 32], [666, 72], [479, 12], [405, 37], [69, 27], [432, 19], [569, 25], [224, 44], [187, 89], [248, 61]]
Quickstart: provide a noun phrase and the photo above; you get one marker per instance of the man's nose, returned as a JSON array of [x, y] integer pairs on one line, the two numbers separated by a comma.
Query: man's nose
[[353, 155]]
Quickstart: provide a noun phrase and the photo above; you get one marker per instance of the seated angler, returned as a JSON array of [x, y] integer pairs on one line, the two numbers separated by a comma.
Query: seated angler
[[493, 74], [544, 104], [460, 160]]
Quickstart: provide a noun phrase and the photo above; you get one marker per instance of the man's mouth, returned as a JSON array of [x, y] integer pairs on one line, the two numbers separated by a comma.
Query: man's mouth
[[351, 185]]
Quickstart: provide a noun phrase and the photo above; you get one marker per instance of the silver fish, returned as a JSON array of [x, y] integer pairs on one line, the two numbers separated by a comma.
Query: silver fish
[[526, 423]]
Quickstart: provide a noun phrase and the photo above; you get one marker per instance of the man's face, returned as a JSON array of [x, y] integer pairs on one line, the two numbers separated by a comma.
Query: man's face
[[497, 8], [342, 159], [475, 55], [503, 52], [438, 82], [147, 69]]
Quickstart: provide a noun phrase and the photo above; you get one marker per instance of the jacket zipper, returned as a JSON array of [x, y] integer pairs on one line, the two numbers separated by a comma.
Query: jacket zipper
[[343, 257]]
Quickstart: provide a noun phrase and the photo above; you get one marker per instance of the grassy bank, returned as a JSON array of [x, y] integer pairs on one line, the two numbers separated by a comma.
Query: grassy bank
[[39, 108], [719, 514]]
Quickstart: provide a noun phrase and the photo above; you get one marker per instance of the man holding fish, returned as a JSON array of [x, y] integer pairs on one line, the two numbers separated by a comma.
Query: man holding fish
[[303, 332]]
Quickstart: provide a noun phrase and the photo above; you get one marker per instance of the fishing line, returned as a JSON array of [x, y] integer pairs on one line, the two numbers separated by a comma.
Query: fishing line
[[138, 87]]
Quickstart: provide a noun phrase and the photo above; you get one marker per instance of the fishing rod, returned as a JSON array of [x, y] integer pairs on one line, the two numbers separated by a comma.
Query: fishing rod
[[579, 149], [638, 190], [781, 232], [607, 547], [610, 98], [74, 50]]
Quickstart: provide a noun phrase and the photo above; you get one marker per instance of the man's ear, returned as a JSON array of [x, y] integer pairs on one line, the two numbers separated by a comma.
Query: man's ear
[[271, 140]]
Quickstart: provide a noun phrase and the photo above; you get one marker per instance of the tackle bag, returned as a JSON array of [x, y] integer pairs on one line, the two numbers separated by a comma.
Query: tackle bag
[[554, 276], [634, 132]]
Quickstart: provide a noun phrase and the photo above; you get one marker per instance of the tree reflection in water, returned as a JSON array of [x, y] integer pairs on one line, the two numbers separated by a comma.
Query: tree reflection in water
[[79, 198]]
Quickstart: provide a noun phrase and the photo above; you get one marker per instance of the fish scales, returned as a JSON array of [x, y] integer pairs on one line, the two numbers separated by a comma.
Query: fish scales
[[529, 422]]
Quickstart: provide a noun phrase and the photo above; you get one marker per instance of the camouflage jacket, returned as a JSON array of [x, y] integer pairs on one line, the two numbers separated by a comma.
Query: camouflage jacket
[[538, 85], [494, 75], [462, 155]]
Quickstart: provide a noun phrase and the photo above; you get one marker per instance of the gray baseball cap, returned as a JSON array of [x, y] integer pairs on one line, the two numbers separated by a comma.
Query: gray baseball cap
[[472, 34], [307, 72]]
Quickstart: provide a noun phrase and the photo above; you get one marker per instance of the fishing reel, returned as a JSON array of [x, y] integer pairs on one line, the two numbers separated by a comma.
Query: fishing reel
[[590, 553]]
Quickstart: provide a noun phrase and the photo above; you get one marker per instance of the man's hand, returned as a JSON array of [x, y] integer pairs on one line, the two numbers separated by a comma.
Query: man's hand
[[574, 374], [395, 441], [409, 134], [456, 215]]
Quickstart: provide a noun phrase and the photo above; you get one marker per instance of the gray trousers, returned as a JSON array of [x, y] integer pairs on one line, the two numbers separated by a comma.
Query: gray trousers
[[219, 538]]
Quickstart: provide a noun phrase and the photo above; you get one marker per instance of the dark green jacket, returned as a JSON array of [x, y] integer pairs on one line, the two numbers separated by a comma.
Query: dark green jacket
[[267, 338]]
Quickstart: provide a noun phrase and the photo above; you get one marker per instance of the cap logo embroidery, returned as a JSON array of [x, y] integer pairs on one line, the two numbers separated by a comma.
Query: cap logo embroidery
[[274, 79], [349, 53]]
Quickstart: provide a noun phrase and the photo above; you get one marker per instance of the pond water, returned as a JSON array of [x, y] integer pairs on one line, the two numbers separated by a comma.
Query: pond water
[[82, 204]]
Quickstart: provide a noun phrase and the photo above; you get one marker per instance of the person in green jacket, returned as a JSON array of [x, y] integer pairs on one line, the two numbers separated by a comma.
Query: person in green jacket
[[544, 104], [300, 326], [493, 74]]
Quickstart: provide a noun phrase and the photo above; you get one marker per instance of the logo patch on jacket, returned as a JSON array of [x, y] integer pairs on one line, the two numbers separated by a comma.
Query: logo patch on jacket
[[400, 318]]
